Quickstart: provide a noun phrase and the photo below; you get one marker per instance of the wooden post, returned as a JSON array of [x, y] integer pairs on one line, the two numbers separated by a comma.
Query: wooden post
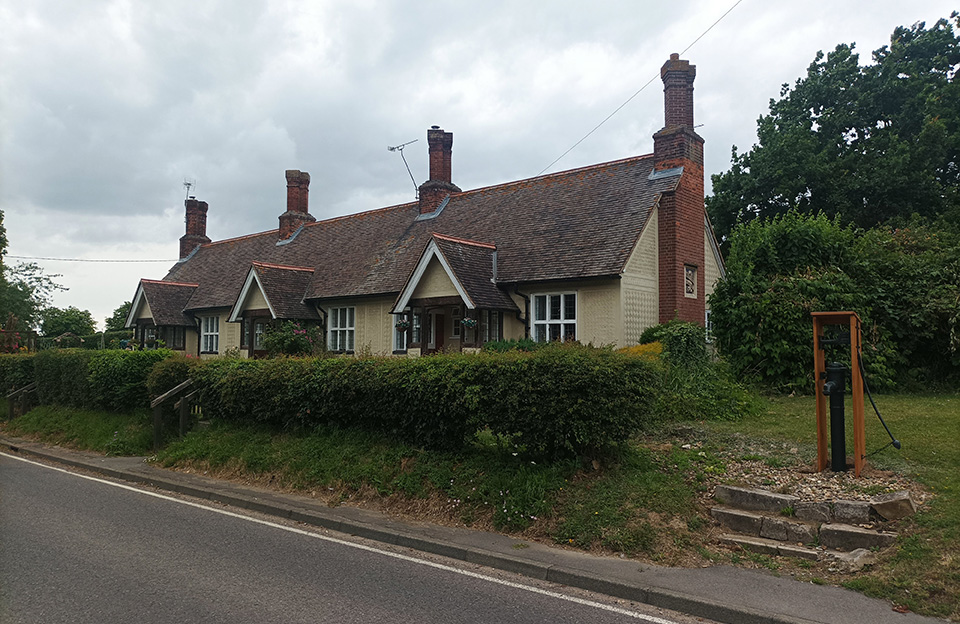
[[157, 426], [852, 320]]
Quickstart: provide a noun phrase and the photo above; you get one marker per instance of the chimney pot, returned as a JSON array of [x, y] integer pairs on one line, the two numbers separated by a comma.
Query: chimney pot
[[298, 209], [196, 226]]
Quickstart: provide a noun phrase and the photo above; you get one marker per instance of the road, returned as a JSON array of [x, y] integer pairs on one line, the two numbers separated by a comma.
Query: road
[[80, 549]]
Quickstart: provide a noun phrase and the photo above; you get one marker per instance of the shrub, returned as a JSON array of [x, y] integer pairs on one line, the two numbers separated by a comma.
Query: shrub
[[169, 373], [559, 400], [109, 379], [523, 344], [16, 371], [649, 350], [294, 338], [118, 379]]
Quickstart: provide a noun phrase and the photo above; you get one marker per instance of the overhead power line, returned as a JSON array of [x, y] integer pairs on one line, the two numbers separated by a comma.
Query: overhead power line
[[84, 259], [636, 93]]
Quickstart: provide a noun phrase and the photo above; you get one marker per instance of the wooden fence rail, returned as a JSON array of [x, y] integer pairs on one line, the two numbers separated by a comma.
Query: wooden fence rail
[[185, 402]]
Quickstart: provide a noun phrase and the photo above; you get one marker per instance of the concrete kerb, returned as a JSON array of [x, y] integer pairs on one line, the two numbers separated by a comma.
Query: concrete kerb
[[392, 533]]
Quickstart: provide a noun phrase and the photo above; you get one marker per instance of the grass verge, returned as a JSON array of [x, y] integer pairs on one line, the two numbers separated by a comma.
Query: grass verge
[[93, 430]]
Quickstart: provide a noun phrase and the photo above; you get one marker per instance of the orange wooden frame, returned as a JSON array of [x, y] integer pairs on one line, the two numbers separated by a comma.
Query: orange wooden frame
[[851, 319]]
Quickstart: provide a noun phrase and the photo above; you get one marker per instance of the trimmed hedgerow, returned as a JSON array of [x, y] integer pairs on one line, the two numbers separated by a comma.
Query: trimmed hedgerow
[[16, 371], [562, 400], [109, 379]]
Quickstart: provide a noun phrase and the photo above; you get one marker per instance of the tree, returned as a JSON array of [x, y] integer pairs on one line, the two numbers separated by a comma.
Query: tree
[[872, 144], [118, 319], [56, 321], [25, 289]]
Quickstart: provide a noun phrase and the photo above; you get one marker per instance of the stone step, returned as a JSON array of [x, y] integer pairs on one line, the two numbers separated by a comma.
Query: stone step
[[766, 526], [770, 547], [754, 500], [846, 537]]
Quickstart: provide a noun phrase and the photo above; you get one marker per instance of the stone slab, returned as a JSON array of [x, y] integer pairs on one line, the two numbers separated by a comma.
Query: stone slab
[[737, 520], [846, 537], [894, 506], [850, 512], [753, 544], [814, 512], [753, 499]]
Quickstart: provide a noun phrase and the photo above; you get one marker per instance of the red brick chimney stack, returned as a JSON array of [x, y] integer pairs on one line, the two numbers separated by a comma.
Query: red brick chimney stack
[[681, 215], [298, 211], [196, 226], [440, 184]]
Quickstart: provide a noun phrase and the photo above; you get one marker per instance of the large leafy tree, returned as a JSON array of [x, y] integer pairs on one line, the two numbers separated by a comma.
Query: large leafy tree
[[117, 320], [872, 143], [58, 321], [25, 289]]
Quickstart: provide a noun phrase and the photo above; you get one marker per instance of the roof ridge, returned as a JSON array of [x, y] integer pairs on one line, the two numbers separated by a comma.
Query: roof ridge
[[463, 241], [555, 174], [270, 265], [168, 283]]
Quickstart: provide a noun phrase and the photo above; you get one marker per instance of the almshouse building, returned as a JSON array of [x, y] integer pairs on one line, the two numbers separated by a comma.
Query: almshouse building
[[595, 254]]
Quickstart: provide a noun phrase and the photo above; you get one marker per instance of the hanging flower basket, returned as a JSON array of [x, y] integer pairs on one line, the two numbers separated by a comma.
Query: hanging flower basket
[[402, 325], [469, 323]]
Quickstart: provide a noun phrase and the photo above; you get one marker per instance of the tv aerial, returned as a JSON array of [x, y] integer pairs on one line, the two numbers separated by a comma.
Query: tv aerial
[[399, 148], [189, 183]]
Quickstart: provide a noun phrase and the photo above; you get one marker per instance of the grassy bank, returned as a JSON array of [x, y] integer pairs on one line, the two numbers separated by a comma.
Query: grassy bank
[[92, 430]]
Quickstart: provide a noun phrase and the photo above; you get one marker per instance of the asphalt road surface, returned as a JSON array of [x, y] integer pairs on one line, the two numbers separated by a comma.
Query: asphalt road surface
[[78, 549]]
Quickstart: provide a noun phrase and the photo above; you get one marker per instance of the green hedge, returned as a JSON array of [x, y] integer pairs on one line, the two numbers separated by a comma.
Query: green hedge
[[110, 340], [16, 371], [109, 379], [555, 401]]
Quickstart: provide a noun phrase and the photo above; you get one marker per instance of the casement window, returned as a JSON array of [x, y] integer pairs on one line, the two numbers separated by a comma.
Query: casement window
[[399, 333], [340, 333], [489, 326], [416, 328], [457, 315], [175, 338], [210, 334], [555, 317]]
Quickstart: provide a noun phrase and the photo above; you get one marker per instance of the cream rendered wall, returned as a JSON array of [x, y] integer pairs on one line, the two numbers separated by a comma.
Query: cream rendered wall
[[598, 308], [191, 342], [435, 283], [145, 312], [711, 270], [229, 332], [254, 301], [373, 324], [640, 284]]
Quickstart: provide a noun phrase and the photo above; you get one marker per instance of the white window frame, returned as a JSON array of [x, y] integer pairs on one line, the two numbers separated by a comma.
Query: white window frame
[[401, 337], [210, 334], [456, 315], [341, 328], [562, 322], [489, 326], [708, 327]]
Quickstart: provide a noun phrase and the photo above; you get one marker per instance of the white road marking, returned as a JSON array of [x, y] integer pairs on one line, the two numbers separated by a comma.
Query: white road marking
[[439, 566]]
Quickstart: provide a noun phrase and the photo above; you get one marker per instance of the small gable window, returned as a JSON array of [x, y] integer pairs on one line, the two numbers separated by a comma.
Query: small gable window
[[340, 334], [210, 334], [555, 317]]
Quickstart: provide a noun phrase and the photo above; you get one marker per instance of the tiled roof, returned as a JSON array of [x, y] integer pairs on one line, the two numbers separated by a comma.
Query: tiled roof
[[283, 287], [167, 300], [574, 224], [472, 263]]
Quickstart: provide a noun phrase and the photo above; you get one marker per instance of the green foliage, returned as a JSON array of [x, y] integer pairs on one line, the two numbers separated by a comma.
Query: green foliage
[[294, 338], [566, 399], [118, 379], [904, 284], [868, 142], [57, 321], [109, 340], [129, 433], [684, 344], [108, 379], [523, 344], [118, 319], [25, 290], [16, 371], [169, 373]]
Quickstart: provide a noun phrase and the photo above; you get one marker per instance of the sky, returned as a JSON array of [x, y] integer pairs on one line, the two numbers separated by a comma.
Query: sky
[[108, 106]]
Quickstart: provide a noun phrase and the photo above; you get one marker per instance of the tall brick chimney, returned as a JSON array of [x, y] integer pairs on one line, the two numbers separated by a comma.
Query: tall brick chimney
[[440, 184], [681, 213], [196, 229], [298, 211]]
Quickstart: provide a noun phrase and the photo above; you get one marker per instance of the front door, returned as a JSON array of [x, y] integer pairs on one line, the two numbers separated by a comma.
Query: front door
[[259, 327], [434, 332]]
